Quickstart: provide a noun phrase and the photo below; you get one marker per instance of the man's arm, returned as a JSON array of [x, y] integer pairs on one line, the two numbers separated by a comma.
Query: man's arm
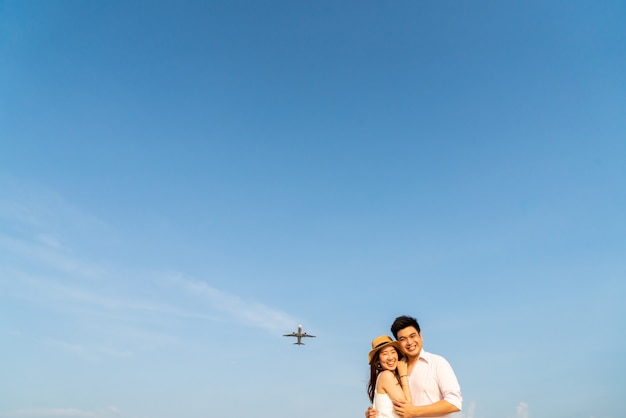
[[370, 413], [403, 372], [405, 410], [449, 389]]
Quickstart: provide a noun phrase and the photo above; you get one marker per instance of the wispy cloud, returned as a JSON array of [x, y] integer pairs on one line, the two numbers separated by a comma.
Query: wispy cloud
[[48, 289], [108, 412], [50, 241], [34, 207], [251, 313], [42, 234], [46, 251], [38, 226], [88, 351]]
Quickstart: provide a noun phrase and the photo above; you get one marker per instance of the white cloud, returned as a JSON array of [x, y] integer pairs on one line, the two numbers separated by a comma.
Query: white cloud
[[522, 410], [470, 410]]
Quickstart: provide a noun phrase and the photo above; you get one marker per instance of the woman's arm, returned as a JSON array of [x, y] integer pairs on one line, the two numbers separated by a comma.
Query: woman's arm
[[389, 384], [403, 372]]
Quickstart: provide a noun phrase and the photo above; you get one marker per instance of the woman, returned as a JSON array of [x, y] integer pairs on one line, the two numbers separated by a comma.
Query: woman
[[388, 376]]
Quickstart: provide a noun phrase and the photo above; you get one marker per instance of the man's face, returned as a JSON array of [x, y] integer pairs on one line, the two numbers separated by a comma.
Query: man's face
[[410, 341]]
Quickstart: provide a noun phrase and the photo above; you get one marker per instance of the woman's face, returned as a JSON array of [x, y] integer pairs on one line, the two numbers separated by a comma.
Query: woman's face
[[388, 358]]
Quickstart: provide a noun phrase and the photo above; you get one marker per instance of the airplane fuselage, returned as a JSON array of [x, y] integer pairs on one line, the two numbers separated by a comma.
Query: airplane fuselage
[[299, 335]]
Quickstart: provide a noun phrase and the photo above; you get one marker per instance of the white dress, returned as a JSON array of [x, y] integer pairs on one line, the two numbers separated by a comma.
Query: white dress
[[383, 405]]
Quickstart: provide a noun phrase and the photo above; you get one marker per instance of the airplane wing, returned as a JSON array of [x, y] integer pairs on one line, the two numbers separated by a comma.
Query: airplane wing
[[293, 334], [308, 335]]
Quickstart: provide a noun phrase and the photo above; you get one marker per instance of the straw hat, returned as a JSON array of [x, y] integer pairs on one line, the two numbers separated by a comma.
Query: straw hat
[[381, 342]]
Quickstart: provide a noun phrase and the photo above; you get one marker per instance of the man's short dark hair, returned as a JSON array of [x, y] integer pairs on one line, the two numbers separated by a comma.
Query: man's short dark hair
[[402, 322]]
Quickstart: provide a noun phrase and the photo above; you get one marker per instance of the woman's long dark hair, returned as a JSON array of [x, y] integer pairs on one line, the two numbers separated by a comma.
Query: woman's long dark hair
[[375, 370]]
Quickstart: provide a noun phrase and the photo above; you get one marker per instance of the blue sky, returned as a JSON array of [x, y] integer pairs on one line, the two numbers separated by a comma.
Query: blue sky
[[181, 183]]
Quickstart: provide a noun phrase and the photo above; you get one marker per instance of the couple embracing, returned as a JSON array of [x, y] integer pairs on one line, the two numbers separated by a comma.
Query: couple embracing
[[406, 381]]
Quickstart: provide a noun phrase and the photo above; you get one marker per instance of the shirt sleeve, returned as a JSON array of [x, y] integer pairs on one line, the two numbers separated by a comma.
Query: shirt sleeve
[[448, 383]]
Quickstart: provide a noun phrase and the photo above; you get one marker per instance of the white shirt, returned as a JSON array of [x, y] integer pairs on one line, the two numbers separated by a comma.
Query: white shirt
[[432, 379]]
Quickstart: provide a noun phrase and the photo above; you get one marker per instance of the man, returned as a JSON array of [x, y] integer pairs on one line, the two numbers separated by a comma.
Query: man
[[434, 387]]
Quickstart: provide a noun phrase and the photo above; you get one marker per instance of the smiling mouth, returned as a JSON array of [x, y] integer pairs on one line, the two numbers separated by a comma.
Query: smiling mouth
[[390, 364]]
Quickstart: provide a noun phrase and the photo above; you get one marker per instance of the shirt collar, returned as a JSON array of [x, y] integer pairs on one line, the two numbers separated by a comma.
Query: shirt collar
[[425, 356]]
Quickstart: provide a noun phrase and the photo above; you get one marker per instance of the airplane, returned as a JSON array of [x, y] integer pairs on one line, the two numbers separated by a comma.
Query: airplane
[[299, 335]]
